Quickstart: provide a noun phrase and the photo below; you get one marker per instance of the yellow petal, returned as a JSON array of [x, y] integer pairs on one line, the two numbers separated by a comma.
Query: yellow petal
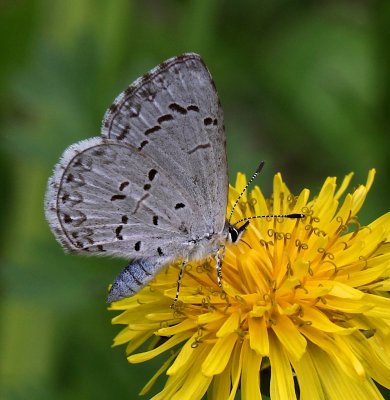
[[326, 197], [231, 325], [344, 291], [219, 355], [148, 355], [209, 317], [250, 378], [251, 276], [343, 343], [159, 316], [176, 381], [341, 217], [320, 321], [196, 386], [278, 190], [170, 388], [159, 372], [260, 207], [282, 382], [137, 342], [361, 192], [309, 382], [184, 356], [327, 343], [380, 306], [220, 387], [183, 326], [258, 336], [377, 268], [345, 305], [240, 184], [236, 368], [289, 337], [346, 181], [375, 360], [337, 385], [125, 335]]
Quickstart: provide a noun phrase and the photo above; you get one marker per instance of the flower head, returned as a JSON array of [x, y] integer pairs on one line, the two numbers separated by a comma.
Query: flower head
[[303, 298]]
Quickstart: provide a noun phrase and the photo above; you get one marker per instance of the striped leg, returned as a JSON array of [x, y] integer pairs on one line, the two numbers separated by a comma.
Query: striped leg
[[179, 278], [218, 264]]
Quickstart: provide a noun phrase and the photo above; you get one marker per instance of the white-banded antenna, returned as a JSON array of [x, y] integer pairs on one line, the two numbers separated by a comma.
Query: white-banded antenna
[[292, 216], [257, 172]]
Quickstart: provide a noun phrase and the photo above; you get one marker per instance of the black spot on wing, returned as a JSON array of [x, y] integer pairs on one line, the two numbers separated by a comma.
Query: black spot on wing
[[125, 219], [124, 132], [143, 144], [118, 230], [152, 173], [123, 185], [137, 246], [179, 205], [153, 130], [65, 197], [177, 108], [164, 118], [118, 197], [208, 121], [147, 186], [75, 198], [155, 220], [193, 108]]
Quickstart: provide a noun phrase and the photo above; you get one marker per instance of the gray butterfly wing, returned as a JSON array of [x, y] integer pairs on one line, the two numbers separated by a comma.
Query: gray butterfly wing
[[173, 114], [108, 198], [156, 180]]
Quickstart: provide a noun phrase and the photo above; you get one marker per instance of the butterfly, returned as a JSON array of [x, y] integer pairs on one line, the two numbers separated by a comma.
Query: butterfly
[[153, 186]]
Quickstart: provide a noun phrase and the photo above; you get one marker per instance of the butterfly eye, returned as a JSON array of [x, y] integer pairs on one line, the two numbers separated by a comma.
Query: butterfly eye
[[236, 233], [233, 234]]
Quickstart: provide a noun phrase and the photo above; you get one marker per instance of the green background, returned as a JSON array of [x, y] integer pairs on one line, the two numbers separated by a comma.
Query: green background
[[304, 85]]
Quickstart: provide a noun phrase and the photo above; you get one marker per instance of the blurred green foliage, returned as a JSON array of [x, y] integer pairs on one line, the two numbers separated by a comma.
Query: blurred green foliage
[[304, 85]]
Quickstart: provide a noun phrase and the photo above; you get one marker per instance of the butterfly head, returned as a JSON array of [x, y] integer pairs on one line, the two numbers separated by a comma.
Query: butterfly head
[[235, 233]]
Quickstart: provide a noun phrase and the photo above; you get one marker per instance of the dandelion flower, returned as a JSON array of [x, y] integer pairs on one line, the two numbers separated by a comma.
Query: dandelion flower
[[304, 303]]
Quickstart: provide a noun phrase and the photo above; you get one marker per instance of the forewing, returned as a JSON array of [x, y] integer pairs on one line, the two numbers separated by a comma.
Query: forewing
[[173, 115], [110, 198]]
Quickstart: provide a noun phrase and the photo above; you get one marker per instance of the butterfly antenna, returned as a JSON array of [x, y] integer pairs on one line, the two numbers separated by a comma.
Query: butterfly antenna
[[292, 216], [257, 172]]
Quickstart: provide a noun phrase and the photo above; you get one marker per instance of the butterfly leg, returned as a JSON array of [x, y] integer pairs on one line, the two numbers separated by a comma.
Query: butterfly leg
[[179, 278], [218, 264]]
